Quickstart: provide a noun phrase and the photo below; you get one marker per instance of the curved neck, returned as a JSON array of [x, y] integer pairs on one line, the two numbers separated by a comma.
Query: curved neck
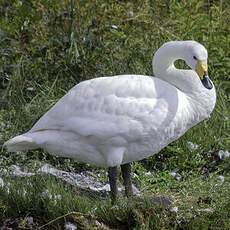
[[163, 67], [201, 99]]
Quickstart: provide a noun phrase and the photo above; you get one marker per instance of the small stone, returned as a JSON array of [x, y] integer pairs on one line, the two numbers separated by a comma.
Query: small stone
[[205, 210], [174, 209], [136, 191], [162, 201], [1, 182], [176, 175], [221, 179], [223, 154], [173, 173], [114, 27], [106, 188], [148, 174], [30, 89], [17, 171], [226, 118], [130, 13], [192, 146], [57, 197], [70, 226], [30, 220]]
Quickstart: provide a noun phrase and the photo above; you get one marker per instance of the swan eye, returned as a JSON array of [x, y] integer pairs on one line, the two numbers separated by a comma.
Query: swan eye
[[194, 57]]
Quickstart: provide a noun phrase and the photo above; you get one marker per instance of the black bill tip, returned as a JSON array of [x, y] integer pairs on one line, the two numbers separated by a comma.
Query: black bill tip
[[206, 82]]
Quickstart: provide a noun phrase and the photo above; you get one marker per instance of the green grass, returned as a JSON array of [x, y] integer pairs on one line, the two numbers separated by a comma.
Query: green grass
[[202, 204], [46, 47]]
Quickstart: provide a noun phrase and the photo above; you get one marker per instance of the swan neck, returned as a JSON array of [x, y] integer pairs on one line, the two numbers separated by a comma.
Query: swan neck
[[164, 68], [186, 81], [165, 57]]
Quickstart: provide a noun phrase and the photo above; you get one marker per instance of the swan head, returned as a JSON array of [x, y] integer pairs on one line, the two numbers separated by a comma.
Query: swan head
[[196, 57]]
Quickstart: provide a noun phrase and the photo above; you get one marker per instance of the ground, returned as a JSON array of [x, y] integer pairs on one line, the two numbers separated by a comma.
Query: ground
[[46, 48]]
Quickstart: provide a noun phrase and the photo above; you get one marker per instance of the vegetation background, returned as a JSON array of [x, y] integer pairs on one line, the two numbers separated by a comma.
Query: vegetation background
[[46, 47]]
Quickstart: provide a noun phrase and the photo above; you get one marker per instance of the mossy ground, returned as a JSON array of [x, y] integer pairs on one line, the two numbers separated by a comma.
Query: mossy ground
[[47, 47]]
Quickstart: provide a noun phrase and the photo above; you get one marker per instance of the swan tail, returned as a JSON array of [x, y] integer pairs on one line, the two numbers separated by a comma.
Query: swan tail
[[20, 143]]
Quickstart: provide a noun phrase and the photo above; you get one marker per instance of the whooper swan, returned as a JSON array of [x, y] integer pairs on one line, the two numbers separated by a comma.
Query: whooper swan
[[112, 121]]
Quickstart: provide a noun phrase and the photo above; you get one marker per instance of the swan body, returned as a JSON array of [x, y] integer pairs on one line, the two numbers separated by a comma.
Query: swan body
[[110, 121]]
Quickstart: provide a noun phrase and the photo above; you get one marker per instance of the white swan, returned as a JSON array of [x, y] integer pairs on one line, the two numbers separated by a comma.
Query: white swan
[[112, 121]]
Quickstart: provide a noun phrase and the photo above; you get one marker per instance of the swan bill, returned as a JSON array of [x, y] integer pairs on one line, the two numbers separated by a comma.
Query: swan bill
[[202, 71], [206, 82], [202, 68]]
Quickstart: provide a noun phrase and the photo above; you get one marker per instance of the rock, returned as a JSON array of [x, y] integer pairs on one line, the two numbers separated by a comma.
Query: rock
[[1, 182], [174, 209], [192, 146], [17, 171], [223, 154], [221, 179], [162, 201], [70, 226]]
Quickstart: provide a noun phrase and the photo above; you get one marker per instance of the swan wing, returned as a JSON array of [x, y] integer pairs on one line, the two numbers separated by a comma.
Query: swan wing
[[122, 108]]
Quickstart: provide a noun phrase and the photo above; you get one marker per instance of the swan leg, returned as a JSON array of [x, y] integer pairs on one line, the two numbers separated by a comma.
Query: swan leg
[[113, 174], [126, 175]]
